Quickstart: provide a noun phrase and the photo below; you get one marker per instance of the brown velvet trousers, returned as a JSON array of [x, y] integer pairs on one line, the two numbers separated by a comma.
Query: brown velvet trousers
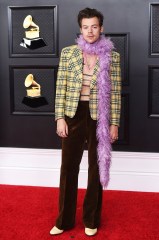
[[82, 128]]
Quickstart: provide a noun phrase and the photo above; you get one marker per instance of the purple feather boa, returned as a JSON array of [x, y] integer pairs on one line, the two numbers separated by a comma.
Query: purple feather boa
[[103, 48]]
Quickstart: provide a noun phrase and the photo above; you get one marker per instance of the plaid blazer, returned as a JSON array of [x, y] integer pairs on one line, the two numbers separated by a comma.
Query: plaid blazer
[[69, 84]]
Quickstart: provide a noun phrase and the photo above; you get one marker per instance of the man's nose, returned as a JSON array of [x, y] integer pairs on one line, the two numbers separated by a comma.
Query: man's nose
[[89, 30]]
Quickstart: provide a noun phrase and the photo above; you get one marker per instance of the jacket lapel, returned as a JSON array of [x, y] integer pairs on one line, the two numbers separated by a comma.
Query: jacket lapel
[[94, 78], [78, 65]]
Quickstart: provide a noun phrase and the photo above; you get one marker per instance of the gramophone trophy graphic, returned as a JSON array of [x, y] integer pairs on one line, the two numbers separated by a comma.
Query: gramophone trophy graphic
[[32, 38], [33, 96]]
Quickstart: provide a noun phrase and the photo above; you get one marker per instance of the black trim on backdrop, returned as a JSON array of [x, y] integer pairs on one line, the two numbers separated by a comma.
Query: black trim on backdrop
[[153, 91], [47, 20], [121, 43], [153, 30], [20, 103]]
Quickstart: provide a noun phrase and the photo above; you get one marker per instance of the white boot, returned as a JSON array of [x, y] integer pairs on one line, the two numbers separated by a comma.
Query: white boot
[[55, 231], [90, 232]]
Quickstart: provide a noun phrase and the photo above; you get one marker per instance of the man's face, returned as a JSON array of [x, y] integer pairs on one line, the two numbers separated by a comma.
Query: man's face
[[90, 29]]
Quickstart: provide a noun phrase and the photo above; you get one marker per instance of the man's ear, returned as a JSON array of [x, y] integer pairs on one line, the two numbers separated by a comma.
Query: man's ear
[[102, 29]]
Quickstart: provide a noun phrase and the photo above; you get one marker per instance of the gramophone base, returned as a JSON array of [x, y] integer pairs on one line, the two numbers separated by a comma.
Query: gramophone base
[[33, 43], [34, 102]]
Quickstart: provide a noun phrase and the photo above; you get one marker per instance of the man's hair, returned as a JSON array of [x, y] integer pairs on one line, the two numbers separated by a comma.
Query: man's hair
[[90, 13]]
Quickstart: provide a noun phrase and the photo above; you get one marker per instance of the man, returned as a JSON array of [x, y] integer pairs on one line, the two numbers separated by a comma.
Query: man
[[87, 108]]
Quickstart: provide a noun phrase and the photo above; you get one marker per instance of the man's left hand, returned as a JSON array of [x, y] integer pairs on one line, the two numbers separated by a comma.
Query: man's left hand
[[113, 133]]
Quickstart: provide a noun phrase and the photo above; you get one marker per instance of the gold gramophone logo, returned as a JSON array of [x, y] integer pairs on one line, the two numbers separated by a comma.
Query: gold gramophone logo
[[32, 39], [33, 96], [33, 89]]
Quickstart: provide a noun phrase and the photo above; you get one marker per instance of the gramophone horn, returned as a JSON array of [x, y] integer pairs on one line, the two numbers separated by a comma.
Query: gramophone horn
[[28, 21], [29, 80]]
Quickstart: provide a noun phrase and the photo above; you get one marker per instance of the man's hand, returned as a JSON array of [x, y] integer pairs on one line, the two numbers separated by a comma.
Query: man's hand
[[113, 133], [62, 128]]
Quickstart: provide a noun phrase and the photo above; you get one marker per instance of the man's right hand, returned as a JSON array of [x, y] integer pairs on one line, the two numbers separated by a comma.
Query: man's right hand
[[62, 128]]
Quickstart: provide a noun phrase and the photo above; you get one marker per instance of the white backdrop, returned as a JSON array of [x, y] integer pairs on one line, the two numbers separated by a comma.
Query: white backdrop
[[131, 171]]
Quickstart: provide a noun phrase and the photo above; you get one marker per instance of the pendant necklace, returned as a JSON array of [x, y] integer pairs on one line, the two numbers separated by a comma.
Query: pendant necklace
[[90, 65]]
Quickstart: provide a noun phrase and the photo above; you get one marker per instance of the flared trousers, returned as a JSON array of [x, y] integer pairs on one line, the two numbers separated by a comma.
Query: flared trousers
[[82, 128]]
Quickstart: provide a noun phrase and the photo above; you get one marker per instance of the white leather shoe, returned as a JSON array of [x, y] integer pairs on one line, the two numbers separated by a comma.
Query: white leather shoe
[[90, 232], [55, 231]]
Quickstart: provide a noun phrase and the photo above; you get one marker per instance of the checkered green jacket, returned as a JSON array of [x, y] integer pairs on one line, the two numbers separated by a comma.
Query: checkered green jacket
[[69, 84]]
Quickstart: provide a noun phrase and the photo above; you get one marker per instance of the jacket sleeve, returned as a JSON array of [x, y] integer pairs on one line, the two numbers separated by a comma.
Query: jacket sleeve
[[115, 90], [61, 84]]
